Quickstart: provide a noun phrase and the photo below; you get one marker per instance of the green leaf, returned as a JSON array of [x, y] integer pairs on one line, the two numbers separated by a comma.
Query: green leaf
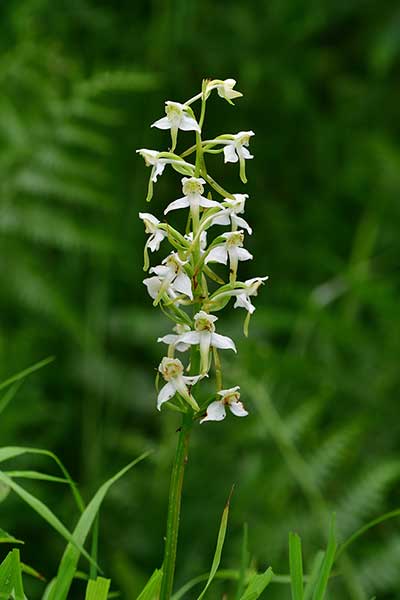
[[11, 577], [35, 475], [323, 575], [98, 589], [9, 452], [41, 509], [296, 566], [9, 395], [72, 552], [218, 549], [245, 558], [257, 585], [317, 564], [6, 538], [25, 372], [152, 588]]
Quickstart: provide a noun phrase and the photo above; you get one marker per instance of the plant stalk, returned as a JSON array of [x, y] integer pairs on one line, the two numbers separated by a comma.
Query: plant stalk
[[174, 507]]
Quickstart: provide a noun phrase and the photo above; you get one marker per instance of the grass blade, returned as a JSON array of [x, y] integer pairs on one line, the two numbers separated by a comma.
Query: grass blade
[[69, 561], [9, 395], [6, 538], [152, 588], [296, 566], [317, 564], [42, 510], [257, 585], [26, 372], [98, 589], [323, 576], [8, 452], [244, 562], [218, 549], [35, 475], [11, 577]]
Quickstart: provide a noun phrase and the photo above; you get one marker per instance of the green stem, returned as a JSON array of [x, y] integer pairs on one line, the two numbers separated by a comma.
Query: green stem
[[174, 507]]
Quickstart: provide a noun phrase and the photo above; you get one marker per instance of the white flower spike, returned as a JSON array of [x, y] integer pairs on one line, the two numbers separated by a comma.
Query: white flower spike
[[229, 214], [177, 383], [216, 410], [182, 281], [178, 117], [232, 249], [204, 335]]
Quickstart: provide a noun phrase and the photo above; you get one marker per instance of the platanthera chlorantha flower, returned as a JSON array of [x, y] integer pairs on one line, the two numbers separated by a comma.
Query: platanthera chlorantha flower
[[184, 283], [243, 294], [175, 340], [216, 411], [224, 88], [157, 161], [229, 214], [172, 277], [193, 188], [205, 337], [177, 383], [232, 250], [178, 117]]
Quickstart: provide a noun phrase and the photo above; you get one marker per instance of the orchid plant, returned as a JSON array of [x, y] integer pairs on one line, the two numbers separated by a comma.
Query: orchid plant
[[185, 285]]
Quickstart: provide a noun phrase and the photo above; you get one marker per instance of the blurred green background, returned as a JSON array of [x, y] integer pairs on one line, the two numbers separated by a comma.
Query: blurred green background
[[80, 83]]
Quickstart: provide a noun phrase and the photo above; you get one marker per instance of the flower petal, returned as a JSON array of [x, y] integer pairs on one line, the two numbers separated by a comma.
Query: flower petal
[[180, 203], [183, 284], [244, 254], [165, 394], [215, 412], [189, 124], [243, 301], [230, 153], [170, 338], [191, 337], [242, 223], [222, 341], [223, 219], [206, 203], [163, 123], [238, 409], [153, 285], [218, 254]]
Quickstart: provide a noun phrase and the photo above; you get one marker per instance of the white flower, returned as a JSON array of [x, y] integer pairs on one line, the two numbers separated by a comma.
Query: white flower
[[172, 371], [177, 118], [153, 159], [228, 215], [203, 240], [243, 295], [204, 335], [236, 148], [175, 339], [193, 189], [171, 277], [157, 235], [216, 410], [225, 89], [232, 249]]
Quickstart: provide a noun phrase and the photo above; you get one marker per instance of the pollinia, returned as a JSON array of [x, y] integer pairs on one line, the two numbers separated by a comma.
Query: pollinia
[[185, 286]]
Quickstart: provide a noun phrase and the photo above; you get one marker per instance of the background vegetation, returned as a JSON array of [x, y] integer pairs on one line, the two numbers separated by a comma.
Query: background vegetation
[[81, 80]]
